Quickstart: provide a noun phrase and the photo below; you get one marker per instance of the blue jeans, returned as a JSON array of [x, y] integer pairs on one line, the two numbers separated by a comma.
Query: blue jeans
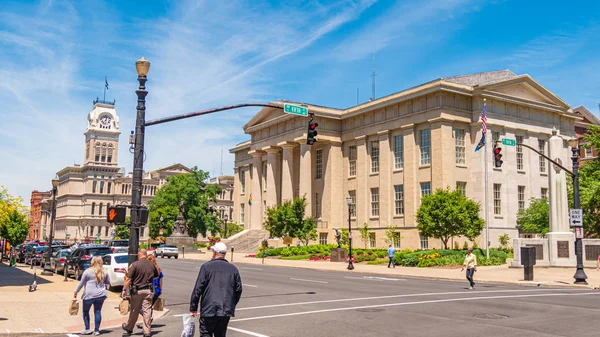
[[470, 276], [87, 304], [392, 262]]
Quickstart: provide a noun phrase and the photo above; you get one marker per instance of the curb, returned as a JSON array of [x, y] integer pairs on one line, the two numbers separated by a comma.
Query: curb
[[115, 323]]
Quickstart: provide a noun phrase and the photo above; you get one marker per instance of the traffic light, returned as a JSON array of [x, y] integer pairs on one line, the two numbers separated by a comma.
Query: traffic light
[[497, 156], [116, 215], [312, 132]]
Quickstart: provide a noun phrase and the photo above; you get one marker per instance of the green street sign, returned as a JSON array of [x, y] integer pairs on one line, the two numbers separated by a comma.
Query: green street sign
[[509, 142], [68, 234], [295, 110]]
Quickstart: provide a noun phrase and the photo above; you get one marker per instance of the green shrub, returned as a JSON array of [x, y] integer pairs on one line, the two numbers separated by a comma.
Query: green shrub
[[382, 255], [143, 245], [378, 262], [430, 258], [297, 257]]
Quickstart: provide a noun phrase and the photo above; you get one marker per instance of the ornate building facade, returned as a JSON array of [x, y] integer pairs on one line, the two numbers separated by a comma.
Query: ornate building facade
[[387, 153], [86, 191], [581, 128]]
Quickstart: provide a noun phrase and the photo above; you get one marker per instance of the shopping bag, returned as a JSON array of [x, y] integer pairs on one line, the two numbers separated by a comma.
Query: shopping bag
[[74, 308], [159, 305], [124, 307], [189, 326]]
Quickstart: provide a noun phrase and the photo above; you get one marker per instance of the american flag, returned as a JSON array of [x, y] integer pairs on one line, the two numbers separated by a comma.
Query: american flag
[[484, 128]]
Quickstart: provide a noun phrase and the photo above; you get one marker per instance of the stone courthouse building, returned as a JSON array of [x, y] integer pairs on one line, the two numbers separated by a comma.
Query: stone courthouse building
[[387, 153], [86, 191]]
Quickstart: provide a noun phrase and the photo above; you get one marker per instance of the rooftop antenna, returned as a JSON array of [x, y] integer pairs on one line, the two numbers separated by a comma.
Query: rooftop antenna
[[373, 74]]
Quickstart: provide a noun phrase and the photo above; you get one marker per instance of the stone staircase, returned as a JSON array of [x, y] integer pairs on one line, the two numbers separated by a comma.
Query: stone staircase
[[247, 241]]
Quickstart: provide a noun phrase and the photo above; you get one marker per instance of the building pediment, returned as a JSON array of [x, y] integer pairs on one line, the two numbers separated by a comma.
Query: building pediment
[[524, 89], [175, 168]]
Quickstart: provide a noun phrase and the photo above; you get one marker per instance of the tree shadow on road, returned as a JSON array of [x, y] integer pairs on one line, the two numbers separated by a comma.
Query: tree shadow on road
[[16, 277]]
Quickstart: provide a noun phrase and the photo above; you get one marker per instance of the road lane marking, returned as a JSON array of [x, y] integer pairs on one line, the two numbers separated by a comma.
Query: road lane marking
[[247, 332], [248, 268], [375, 278], [249, 285], [304, 280], [393, 296], [464, 299]]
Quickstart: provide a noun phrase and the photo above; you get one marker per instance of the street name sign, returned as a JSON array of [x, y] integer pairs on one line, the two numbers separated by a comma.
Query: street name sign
[[509, 142], [295, 109], [576, 218]]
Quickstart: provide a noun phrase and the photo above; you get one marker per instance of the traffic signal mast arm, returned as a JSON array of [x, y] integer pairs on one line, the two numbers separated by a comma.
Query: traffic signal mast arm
[[543, 155]]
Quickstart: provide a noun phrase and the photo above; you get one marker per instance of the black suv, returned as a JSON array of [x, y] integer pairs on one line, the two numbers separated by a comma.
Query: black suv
[[81, 258]]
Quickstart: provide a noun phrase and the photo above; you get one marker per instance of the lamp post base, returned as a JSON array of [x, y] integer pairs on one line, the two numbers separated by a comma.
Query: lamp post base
[[47, 272], [350, 266], [580, 277]]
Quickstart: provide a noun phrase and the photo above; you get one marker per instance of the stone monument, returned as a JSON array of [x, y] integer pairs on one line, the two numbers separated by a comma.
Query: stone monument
[[338, 254], [557, 249], [180, 236]]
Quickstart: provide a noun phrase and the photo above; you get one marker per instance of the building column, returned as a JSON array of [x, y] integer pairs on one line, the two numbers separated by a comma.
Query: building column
[[287, 169], [306, 177], [256, 195], [273, 160]]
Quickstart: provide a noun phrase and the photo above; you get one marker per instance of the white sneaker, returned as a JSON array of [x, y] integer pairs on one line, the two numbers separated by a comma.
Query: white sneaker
[[86, 332], [470, 288], [96, 333]]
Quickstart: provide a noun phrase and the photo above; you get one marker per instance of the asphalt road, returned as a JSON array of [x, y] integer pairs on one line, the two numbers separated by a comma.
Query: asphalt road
[[290, 302]]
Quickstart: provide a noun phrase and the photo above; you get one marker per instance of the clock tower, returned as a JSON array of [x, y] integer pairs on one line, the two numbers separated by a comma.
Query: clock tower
[[102, 136]]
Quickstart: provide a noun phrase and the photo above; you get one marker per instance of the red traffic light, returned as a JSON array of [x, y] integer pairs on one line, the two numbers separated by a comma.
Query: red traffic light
[[497, 150], [313, 125]]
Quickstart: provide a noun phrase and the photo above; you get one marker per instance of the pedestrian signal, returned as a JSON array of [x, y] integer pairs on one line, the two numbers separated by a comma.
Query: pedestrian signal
[[498, 157], [116, 215]]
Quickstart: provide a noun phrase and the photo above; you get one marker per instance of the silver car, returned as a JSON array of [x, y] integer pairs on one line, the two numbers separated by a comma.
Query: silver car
[[167, 250], [57, 261]]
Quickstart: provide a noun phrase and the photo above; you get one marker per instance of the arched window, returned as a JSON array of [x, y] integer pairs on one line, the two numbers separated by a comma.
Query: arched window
[[97, 152], [103, 153], [93, 207], [106, 231], [108, 187], [109, 154], [122, 189], [94, 183], [100, 209], [101, 187]]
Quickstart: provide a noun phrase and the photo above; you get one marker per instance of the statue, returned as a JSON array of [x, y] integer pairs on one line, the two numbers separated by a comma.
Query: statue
[[180, 226], [181, 209], [338, 236]]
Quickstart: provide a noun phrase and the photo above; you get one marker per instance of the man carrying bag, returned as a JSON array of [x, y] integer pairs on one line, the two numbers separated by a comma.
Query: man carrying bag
[[139, 277], [219, 286]]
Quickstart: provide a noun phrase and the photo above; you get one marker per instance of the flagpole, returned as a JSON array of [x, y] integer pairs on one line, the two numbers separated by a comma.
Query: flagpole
[[487, 208], [105, 81]]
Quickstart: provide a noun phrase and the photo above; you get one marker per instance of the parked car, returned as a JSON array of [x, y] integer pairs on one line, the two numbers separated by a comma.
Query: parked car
[[80, 259], [167, 250], [55, 248], [57, 261], [115, 265], [37, 255], [119, 246], [22, 250]]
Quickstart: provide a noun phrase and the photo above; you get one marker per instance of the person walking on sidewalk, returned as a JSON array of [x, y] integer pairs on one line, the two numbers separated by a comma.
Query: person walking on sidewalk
[[219, 286], [94, 282], [158, 286], [140, 277], [391, 251], [471, 265]]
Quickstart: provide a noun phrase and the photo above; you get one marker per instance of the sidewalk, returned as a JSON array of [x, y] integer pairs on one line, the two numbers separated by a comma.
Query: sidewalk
[[46, 309], [543, 276]]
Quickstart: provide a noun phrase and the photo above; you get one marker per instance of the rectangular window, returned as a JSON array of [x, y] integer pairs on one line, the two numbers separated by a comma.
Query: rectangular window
[[317, 206], [242, 214], [101, 187], [521, 197], [544, 192], [242, 181], [375, 157], [93, 208], [323, 238], [319, 165], [352, 195], [108, 187], [352, 161], [519, 153], [497, 199], [424, 242], [399, 199], [425, 147], [461, 186], [372, 241], [106, 231], [459, 145], [542, 149], [425, 188], [264, 174], [100, 209], [94, 184], [589, 153], [398, 152], [142, 231], [375, 201], [396, 240]]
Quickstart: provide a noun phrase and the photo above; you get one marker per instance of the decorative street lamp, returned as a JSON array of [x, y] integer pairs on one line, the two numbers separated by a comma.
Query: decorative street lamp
[[225, 217], [580, 276], [142, 66], [47, 268], [350, 264]]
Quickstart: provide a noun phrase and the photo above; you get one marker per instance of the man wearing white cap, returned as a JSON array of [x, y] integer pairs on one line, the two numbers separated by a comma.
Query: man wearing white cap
[[219, 288]]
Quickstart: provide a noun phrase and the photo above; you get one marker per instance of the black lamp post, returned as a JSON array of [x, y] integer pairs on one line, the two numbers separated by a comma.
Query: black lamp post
[[580, 276], [225, 218], [350, 264], [142, 67], [47, 267]]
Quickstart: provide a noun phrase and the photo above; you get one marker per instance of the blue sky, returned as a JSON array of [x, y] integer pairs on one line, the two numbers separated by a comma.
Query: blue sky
[[55, 54]]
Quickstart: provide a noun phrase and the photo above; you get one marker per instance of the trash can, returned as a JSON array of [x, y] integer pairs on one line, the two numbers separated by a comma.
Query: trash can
[[528, 261]]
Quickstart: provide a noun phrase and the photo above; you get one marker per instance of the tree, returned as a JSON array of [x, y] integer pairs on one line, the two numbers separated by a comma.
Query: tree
[[446, 213], [534, 219], [503, 239], [16, 227], [122, 231], [364, 233], [196, 195], [344, 238], [391, 234], [8, 204], [233, 228], [287, 219]]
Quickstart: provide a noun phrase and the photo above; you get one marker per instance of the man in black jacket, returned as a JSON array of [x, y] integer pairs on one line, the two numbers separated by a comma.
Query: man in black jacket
[[220, 287]]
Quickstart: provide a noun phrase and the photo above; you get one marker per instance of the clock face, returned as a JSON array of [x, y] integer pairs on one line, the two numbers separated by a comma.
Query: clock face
[[105, 120]]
